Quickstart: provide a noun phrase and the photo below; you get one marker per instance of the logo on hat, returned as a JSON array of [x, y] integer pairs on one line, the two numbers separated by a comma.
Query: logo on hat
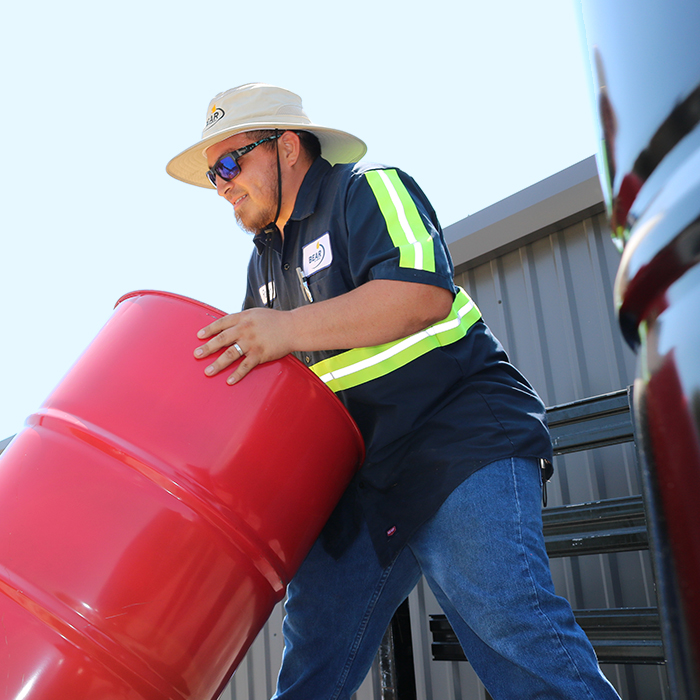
[[216, 114]]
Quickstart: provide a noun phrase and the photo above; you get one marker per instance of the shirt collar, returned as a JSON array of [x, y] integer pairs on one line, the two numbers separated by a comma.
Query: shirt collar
[[307, 197], [305, 203]]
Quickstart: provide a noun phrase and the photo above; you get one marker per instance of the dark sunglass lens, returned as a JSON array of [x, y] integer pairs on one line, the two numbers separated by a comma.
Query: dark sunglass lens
[[227, 168]]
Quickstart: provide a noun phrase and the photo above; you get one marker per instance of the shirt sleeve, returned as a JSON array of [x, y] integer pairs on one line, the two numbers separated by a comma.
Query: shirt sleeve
[[393, 232]]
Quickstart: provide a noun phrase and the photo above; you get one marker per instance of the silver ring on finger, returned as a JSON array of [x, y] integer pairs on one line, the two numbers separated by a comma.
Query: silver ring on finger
[[238, 347]]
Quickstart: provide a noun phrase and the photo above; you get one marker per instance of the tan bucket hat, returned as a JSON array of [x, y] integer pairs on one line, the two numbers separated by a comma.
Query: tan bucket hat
[[258, 106]]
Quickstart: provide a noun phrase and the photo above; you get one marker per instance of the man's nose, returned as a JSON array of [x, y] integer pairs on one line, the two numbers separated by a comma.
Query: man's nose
[[222, 186]]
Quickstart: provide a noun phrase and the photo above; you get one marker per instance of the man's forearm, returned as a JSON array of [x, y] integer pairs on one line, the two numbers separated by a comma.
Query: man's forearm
[[377, 312]]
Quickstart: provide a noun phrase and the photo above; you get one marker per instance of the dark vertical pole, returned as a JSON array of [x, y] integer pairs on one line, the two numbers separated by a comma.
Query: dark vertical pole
[[682, 679], [396, 669]]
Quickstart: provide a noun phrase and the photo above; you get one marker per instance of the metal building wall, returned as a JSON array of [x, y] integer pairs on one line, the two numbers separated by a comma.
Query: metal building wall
[[548, 298], [550, 304]]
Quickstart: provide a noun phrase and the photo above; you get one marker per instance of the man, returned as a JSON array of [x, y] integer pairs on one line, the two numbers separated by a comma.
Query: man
[[351, 273]]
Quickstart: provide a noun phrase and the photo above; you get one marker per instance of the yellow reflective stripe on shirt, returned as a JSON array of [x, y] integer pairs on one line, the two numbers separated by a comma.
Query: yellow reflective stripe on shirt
[[404, 223], [360, 365]]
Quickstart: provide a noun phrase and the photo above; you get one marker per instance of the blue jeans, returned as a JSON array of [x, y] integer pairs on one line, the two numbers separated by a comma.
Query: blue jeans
[[483, 556]]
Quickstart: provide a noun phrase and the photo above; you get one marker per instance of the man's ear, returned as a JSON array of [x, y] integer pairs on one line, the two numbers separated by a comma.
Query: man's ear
[[290, 148]]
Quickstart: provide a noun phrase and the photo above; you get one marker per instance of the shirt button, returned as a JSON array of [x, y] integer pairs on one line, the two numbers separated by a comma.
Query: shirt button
[[286, 266], [308, 360]]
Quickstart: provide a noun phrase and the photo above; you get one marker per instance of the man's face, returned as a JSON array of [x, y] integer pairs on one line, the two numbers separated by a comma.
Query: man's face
[[253, 192]]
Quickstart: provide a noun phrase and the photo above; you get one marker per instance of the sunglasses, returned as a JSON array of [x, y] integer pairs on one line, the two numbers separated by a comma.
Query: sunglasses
[[227, 166]]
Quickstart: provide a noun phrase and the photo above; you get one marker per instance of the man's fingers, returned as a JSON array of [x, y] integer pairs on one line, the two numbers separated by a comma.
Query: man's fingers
[[213, 328], [243, 368], [227, 357], [222, 339], [245, 340], [221, 324]]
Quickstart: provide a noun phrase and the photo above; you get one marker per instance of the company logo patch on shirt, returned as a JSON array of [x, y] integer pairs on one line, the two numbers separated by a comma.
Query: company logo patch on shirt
[[263, 292], [317, 255]]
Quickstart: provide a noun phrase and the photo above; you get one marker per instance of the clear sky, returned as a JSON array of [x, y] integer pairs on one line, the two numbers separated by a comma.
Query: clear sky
[[476, 100]]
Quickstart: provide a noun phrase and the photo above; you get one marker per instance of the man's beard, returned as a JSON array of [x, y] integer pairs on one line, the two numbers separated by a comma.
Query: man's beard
[[265, 216]]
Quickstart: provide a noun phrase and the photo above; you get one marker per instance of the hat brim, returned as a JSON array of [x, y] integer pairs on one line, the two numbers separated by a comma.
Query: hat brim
[[191, 165]]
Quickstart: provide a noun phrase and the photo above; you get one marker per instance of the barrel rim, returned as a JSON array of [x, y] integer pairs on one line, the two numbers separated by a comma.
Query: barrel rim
[[289, 359]]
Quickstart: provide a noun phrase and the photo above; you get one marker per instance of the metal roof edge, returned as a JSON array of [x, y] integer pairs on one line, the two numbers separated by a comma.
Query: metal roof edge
[[535, 211], [4, 443]]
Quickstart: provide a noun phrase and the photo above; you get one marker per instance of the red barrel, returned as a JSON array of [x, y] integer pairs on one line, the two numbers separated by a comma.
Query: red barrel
[[151, 517]]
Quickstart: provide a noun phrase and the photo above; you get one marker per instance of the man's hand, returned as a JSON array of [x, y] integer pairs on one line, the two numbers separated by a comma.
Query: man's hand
[[379, 311], [257, 335]]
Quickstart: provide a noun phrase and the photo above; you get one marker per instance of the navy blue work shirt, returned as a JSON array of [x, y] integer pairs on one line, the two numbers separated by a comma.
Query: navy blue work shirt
[[432, 408]]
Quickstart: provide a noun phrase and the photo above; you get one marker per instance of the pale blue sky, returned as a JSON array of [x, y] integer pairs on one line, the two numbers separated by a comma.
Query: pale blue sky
[[476, 100]]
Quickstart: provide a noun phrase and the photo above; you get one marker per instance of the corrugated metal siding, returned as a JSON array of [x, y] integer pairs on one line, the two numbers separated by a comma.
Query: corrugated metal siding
[[256, 677], [550, 303]]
